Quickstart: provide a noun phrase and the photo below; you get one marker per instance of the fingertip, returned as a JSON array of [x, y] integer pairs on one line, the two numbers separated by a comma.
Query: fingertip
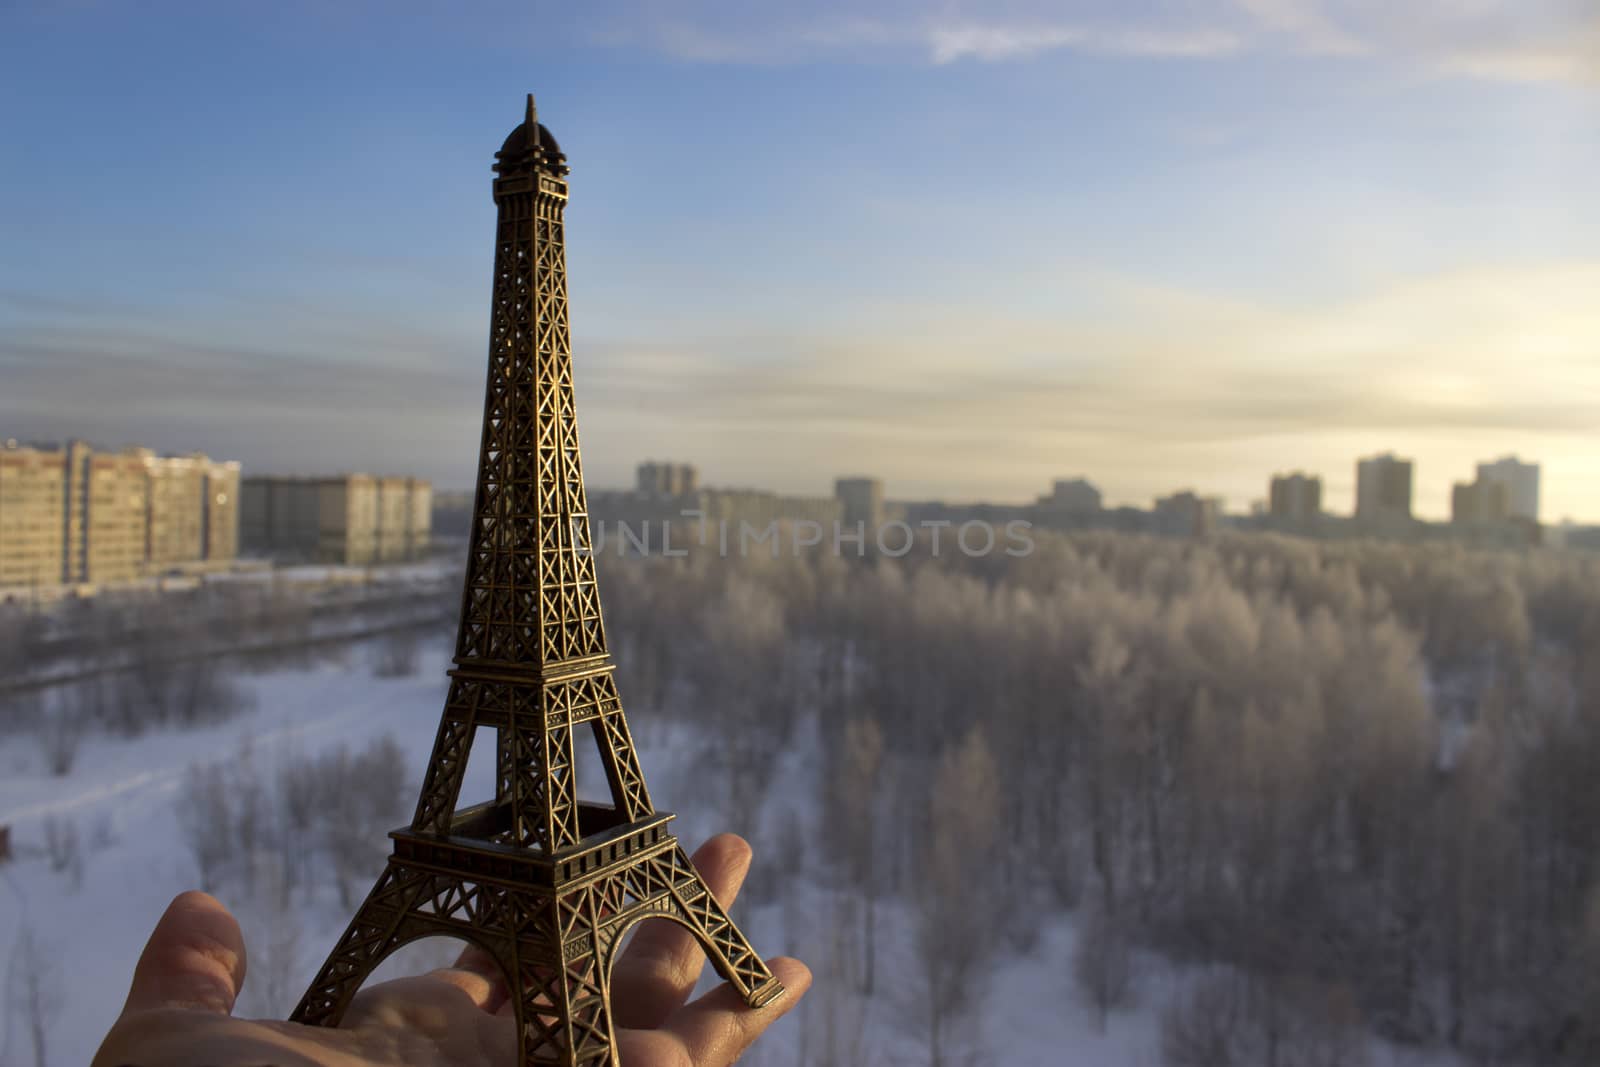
[[795, 977], [734, 845], [195, 901], [195, 958], [723, 862], [729, 850], [793, 973]]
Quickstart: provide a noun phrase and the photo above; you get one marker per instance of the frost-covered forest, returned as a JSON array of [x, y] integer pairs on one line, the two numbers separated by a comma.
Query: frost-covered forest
[[1121, 801], [1353, 785]]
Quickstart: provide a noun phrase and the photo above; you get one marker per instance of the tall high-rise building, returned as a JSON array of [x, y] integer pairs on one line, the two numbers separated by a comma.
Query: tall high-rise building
[[419, 520], [1383, 487], [76, 456], [221, 511], [347, 519], [1479, 501], [1521, 481], [1071, 504], [1295, 497], [75, 515], [1186, 514], [319, 520], [278, 516], [33, 497], [861, 501], [666, 479], [394, 519], [1075, 495], [116, 521], [353, 519], [175, 520]]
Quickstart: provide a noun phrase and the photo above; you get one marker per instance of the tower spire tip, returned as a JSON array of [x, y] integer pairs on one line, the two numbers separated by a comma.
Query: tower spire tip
[[533, 113]]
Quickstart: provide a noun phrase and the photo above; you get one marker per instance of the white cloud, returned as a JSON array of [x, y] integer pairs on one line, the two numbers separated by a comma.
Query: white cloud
[[1528, 64], [950, 43], [947, 44], [1503, 40], [944, 32], [1305, 21]]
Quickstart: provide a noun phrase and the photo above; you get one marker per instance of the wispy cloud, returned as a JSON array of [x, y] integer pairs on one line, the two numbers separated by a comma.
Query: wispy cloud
[[947, 44], [1577, 62], [937, 33], [1502, 40], [1307, 23], [1506, 40]]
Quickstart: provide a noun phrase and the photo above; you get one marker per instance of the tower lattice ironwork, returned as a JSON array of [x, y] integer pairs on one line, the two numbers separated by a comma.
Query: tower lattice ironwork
[[543, 882]]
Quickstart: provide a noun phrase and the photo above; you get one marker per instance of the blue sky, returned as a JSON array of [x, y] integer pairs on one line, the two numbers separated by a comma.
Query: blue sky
[[966, 247]]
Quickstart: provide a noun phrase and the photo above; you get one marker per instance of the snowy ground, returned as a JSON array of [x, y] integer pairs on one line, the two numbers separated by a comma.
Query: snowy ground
[[120, 799]]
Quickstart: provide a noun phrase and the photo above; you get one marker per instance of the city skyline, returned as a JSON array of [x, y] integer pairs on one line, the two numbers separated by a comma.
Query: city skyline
[[331, 467], [1201, 244]]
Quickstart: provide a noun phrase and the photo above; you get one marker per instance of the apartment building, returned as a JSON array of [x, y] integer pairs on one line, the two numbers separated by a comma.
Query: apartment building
[[352, 519], [75, 515]]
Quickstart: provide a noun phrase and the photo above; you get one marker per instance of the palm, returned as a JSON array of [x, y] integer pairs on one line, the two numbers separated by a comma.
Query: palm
[[185, 985]]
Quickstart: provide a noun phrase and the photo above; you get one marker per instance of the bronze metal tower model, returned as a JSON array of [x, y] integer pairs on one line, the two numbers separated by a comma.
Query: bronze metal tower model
[[546, 884]]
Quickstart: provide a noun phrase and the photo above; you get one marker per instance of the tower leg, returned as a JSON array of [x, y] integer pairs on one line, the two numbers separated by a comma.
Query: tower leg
[[731, 954], [563, 1016], [374, 933]]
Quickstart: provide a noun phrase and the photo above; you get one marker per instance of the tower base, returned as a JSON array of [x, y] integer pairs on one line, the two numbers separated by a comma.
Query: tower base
[[553, 924]]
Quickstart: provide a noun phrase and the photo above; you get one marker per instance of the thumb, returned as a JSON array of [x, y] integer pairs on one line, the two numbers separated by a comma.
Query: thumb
[[195, 959]]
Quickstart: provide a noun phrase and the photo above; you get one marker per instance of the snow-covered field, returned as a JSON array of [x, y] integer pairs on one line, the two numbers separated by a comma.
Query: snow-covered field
[[120, 800]]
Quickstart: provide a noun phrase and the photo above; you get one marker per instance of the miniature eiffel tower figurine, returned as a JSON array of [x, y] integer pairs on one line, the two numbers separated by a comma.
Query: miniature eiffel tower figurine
[[543, 882]]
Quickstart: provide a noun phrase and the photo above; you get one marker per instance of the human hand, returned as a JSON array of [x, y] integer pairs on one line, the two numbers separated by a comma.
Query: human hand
[[178, 1012]]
